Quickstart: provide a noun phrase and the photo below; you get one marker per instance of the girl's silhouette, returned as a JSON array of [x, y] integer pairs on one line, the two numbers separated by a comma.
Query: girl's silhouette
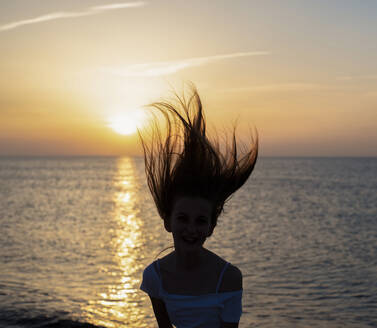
[[190, 179]]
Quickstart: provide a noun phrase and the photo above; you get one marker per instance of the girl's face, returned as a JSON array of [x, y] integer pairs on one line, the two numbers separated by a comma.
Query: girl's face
[[190, 222]]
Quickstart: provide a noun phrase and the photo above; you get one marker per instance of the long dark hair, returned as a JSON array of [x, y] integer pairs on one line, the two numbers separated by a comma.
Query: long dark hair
[[184, 162]]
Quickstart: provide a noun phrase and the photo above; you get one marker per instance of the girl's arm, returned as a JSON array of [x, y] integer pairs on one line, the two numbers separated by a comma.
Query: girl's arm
[[161, 313], [232, 281]]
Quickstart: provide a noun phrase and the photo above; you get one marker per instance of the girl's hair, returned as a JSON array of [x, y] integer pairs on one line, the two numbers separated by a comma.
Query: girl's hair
[[186, 163]]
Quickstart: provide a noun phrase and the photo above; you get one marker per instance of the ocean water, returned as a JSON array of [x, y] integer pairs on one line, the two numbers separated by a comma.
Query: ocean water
[[76, 234]]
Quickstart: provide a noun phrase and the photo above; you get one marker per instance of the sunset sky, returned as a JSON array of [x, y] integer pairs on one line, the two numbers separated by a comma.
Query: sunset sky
[[75, 73]]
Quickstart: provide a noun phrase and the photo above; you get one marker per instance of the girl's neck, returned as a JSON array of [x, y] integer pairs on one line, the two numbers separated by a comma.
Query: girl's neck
[[191, 261]]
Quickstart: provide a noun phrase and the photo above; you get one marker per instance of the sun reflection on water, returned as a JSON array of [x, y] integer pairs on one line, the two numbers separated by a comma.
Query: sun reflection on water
[[118, 304]]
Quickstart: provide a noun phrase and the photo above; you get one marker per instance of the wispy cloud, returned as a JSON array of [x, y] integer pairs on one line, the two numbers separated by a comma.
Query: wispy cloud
[[170, 67], [69, 14]]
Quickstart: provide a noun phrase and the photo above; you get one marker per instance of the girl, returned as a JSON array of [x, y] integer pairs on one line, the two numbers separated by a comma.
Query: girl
[[190, 180]]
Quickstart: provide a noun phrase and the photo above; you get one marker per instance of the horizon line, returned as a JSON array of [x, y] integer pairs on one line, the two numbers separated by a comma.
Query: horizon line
[[141, 156]]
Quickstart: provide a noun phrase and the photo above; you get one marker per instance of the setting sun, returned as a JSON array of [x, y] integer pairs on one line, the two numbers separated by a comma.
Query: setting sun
[[126, 123]]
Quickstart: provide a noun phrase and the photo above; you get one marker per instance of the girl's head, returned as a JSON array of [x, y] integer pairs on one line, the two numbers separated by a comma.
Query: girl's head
[[185, 163], [190, 222]]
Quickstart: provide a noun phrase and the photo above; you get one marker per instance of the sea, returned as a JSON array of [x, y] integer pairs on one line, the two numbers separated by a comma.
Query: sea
[[77, 232]]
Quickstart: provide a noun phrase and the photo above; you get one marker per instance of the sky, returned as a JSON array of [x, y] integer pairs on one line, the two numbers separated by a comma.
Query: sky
[[76, 75]]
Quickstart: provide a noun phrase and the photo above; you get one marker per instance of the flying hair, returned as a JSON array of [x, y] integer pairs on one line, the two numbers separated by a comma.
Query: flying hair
[[183, 161]]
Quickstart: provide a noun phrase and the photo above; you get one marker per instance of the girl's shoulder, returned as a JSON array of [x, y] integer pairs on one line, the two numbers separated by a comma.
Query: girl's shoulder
[[232, 279], [232, 275], [167, 261]]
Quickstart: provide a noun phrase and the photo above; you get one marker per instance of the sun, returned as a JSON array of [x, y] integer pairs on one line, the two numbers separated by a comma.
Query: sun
[[126, 123]]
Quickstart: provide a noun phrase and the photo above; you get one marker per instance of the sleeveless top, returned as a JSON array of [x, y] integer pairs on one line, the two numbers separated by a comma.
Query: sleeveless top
[[194, 311]]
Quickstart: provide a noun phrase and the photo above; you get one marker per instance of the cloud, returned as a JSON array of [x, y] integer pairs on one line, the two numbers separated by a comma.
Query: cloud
[[113, 6], [170, 67], [60, 15]]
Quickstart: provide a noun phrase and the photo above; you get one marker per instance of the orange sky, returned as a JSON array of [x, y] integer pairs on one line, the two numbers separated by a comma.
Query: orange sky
[[304, 73]]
